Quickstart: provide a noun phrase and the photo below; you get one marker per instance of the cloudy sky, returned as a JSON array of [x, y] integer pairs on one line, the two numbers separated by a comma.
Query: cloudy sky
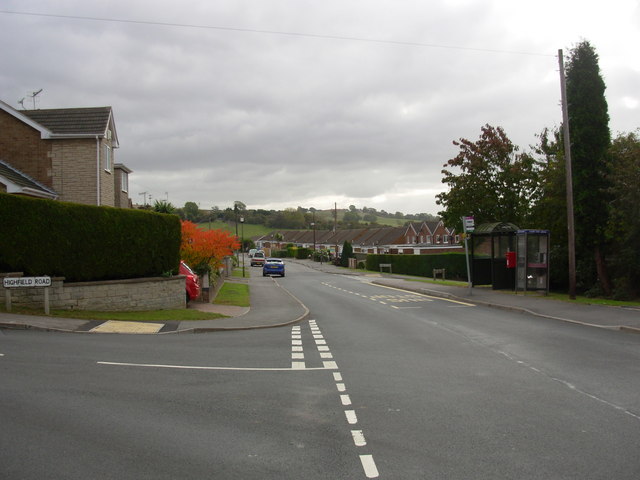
[[286, 103]]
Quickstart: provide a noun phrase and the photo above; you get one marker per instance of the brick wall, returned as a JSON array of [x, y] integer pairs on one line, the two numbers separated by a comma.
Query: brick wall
[[157, 293], [22, 147]]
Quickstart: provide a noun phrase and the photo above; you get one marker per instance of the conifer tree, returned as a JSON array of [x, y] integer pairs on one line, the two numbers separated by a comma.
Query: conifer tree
[[590, 141]]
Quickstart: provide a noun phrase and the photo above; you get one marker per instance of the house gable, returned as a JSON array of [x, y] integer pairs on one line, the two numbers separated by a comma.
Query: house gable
[[68, 150]]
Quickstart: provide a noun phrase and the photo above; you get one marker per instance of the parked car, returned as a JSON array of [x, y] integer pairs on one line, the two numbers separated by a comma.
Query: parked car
[[273, 266], [191, 282], [257, 259]]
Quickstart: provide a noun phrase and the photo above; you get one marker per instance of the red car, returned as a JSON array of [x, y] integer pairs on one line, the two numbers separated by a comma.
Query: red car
[[193, 287]]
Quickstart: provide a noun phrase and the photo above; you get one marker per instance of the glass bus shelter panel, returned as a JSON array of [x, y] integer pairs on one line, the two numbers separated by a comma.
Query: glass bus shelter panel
[[532, 267]]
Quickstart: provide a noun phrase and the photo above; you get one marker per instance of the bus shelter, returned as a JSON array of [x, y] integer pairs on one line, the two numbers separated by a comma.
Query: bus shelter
[[493, 247]]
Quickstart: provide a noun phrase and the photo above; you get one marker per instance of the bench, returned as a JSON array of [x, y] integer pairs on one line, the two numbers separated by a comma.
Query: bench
[[385, 265], [439, 271]]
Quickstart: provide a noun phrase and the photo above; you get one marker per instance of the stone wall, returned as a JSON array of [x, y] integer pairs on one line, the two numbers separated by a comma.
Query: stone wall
[[154, 293]]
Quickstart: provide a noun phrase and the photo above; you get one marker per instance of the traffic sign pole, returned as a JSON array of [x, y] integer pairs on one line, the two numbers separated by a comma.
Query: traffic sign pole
[[468, 225]]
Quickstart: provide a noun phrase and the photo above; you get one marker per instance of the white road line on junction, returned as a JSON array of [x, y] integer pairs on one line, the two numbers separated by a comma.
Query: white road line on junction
[[238, 369]]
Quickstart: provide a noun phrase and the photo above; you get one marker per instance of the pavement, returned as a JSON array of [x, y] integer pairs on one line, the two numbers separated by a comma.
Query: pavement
[[274, 306]]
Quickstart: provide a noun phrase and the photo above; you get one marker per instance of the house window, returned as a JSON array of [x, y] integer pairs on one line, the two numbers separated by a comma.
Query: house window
[[445, 239], [437, 238], [428, 239], [457, 238], [125, 182], [107, 159]]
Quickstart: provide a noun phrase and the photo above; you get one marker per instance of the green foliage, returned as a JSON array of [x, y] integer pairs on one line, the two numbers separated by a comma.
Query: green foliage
[[624, 220], [303, 253], [422, 265], [163, 206], [191, 211], [489, 180], [82, 243], [347, 253], [590, 141]]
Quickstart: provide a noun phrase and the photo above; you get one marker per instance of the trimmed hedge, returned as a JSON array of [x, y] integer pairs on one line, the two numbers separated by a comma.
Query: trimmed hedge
[[422, 265], [83, 242]]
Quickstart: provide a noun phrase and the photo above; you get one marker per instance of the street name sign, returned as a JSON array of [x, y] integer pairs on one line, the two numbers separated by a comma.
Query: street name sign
[[21, 282]]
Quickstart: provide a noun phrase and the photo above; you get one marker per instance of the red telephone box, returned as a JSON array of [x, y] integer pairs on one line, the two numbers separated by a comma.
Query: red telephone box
[[511, 259]]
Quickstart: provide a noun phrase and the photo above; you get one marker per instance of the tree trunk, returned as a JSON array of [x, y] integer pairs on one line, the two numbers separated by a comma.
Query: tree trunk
[[603, 274]]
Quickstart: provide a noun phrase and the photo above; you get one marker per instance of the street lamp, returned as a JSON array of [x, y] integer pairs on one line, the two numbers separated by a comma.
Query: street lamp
[[313, 224], [242, 242]]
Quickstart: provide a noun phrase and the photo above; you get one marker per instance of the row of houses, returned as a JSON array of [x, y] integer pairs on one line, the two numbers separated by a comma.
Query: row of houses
[[411, 239], [65, 154]]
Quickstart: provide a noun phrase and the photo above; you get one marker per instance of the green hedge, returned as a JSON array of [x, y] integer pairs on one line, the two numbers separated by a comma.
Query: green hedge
[[83, 243], [422, 265]]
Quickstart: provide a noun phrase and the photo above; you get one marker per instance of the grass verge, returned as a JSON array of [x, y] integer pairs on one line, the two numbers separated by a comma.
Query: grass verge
[[233, 294]]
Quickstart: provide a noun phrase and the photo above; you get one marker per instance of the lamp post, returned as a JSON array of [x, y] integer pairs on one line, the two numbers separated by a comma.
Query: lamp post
[[242, 242], [313, 225]]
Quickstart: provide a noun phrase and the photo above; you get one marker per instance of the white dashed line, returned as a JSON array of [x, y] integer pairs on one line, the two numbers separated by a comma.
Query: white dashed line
[[368, 464], [370, 469], [351, 417], [358, 438]]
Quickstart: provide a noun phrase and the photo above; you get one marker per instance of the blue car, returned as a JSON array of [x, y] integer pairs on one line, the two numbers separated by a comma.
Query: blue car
[[273, 266]]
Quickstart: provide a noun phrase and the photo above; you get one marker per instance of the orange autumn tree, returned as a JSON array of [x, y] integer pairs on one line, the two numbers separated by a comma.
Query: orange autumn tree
[[204, 250]]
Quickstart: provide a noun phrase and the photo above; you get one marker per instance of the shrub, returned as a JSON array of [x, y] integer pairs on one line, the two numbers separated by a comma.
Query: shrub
[[422, 265], [83, 242]]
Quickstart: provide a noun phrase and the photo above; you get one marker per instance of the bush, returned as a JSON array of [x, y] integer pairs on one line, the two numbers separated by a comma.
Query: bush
[[82, 242], [422, 265]]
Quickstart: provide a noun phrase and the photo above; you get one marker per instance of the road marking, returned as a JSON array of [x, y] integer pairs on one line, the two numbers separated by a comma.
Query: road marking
[[117, 326], [358, 438], [297, 350], [369, 466], [370, 469], [351, 417], [295, 366]]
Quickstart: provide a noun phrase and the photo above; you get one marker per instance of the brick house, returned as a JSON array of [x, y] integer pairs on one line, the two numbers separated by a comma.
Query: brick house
[[65, 153]]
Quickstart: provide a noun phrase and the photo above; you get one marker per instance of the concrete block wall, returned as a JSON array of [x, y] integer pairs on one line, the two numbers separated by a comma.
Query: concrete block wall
[[154, 293]]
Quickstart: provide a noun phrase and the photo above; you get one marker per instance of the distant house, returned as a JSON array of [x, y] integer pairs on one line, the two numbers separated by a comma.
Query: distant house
[[66, 153], [412, 239]]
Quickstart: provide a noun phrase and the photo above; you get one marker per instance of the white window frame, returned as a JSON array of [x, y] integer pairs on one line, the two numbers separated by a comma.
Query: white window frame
[[124, 182], [108, 161]]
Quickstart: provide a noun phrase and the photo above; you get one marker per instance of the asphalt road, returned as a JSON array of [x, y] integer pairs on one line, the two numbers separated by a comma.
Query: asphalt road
[[378, 383]]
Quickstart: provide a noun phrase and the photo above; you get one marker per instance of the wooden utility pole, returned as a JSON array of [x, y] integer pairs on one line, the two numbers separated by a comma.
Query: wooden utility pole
[[567, 158]]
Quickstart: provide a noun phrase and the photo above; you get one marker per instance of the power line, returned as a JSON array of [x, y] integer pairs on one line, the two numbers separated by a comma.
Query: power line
[[272, 32]]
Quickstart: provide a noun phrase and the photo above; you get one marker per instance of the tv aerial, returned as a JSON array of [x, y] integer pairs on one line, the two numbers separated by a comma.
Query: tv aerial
[[33, 96]]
